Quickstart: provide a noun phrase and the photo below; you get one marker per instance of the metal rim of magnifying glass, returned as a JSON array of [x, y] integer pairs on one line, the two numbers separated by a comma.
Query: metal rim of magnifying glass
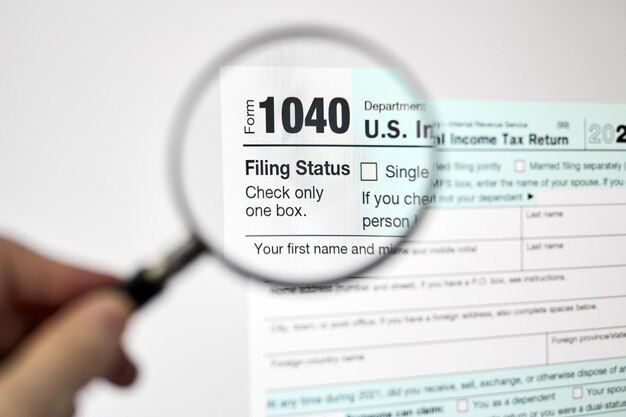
[[195, 92]]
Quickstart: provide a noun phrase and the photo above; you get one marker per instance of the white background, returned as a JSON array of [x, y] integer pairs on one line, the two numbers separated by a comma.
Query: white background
[[87, 91]]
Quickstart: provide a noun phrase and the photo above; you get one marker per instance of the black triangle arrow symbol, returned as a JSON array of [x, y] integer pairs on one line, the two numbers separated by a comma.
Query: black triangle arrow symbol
[[530, 196]]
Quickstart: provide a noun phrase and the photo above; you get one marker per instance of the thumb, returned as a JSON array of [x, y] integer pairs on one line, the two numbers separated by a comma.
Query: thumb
[[76, 345]]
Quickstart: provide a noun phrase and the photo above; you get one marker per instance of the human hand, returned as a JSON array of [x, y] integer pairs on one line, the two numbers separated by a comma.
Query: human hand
[[60, 327]]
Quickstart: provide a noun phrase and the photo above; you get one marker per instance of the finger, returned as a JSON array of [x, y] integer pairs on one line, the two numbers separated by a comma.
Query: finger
[[122, 371], [12, 327], [74, 346], [34, 279]]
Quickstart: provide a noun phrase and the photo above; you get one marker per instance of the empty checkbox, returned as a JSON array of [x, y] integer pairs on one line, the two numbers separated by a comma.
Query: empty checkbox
[[369, 171], [577, 393], [520, 165], [462, 406]]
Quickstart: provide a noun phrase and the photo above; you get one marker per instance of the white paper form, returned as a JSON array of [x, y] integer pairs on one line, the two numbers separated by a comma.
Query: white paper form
[[509, 300]]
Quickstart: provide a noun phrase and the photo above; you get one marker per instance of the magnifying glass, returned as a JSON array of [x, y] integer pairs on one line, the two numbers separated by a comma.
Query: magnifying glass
[[301, 156]]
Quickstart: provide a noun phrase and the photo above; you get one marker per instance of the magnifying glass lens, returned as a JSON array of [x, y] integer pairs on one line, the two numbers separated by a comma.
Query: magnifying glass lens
[[304, 157]]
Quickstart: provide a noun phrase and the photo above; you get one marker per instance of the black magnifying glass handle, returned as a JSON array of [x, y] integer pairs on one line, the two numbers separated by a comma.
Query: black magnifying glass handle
[[148, 282]]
